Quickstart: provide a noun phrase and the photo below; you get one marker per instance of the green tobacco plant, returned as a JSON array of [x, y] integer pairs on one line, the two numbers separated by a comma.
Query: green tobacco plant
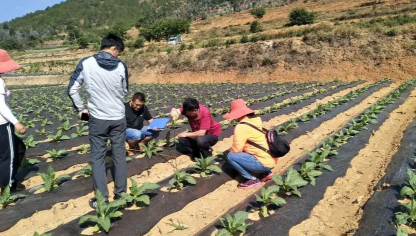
[[170, 142], [30, 142], [318, 159], [408, 216], [37, 234], [6, 198], [177, 226], [234, 225], [46, 122], [288, 126], [268, 197], [27, 162], [137, 194], [58, 137], [291, 183], [83, 149], [42, 132], [49, 179], [401, 231], [205, 167], [150, 148], [86, 171], [55, 155], [409, 191], [180, 178], [104, 213], [65, 126], [308, 172], [81, 131]]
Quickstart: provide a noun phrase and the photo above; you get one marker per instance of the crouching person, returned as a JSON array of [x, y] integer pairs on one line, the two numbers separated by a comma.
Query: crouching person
[[249, 155], [205, 130], [136, 113]]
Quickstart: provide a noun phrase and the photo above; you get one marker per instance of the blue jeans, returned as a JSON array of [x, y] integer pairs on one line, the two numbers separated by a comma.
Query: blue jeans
[[137, 135], [246, 164]]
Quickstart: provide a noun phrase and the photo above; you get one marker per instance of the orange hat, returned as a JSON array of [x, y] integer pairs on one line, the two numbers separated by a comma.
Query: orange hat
[[6, 63], [238, 109]]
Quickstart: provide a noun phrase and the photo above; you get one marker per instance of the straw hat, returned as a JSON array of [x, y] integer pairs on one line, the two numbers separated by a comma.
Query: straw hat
[[238, 109], [6, 63]]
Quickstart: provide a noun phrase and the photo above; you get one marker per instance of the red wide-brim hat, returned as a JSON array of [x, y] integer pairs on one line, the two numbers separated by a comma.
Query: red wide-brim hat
[[238, 109], [6, 63]]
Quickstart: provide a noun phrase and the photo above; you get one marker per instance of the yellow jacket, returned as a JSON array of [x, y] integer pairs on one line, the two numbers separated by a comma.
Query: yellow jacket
[[243, 132]]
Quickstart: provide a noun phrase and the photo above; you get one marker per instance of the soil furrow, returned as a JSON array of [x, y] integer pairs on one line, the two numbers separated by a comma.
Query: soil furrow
[[213, 205], [342, 202]]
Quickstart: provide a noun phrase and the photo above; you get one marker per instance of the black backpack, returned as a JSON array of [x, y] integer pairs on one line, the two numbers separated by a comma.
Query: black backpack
[[278, 147]]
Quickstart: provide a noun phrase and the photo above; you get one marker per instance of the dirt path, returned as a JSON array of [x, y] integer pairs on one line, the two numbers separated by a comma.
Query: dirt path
[[207, 209], [357, 185]]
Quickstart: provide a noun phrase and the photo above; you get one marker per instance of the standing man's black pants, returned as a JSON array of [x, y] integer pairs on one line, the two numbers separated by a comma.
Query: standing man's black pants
[[12, 152], [197, 146], [100, 131]]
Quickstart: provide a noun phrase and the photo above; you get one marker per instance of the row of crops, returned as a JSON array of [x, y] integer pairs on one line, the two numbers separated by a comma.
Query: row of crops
[[57, 169]]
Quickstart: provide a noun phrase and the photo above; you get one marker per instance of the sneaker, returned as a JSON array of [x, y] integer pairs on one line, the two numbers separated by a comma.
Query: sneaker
[[17, 186], [251, 183], [266, 177], [116, 197], [93, 203]]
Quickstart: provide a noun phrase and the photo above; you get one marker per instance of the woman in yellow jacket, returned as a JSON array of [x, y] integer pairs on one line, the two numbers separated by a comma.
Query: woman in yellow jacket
[[244, 157]]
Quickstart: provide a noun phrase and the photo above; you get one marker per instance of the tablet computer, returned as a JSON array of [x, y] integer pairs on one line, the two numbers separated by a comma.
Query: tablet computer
[[159, 123]]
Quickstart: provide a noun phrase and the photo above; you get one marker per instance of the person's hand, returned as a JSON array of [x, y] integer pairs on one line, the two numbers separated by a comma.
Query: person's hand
[[182, 135], [20, 128], [174, 113], [83, 111], [156, 129]]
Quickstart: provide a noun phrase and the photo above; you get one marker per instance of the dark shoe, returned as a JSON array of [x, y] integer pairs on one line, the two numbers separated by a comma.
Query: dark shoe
[[251, 183], [93, 203], [17, 186], [117, 197], [266, 177]]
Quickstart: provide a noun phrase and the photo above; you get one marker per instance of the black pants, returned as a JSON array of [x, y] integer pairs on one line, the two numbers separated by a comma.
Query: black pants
[[197, 146], [12, 152], [100, 131]]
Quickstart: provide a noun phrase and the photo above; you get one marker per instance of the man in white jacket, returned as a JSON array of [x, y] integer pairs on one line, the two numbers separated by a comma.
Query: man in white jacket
[[106, 82]]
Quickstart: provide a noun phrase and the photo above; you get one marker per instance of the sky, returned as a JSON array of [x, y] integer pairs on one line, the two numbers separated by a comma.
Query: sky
[[10, 9]]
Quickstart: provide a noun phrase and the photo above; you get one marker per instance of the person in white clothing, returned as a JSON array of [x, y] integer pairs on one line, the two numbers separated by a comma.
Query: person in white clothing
[[12, 149]]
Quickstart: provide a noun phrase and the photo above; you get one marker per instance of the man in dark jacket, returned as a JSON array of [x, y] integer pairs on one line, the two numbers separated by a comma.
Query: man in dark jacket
[[106, 82]]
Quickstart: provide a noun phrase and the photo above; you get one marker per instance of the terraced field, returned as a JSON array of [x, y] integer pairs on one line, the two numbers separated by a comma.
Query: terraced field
[[350, 145]]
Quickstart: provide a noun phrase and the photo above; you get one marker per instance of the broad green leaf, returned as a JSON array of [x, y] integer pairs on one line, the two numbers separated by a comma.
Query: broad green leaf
[[105, 223], [406, 191], [223, 232], [402, 231], [278, 201], [84, 219], [116, 214], [144, 199], [214, 168], [190, 179]]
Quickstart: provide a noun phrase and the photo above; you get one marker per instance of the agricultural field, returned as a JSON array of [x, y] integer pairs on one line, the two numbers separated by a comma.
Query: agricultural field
[[349, 169]]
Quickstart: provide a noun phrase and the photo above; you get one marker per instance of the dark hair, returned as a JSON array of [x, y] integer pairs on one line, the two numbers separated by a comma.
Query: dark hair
[[112, 40], [139, 96], [190, 104], [252, 115]]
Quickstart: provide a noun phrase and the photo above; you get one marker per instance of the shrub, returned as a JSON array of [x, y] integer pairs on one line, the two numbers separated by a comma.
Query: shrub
[[258, 12], [191, 46], [300, 16], [165, 28], [182, 47], [244, 39], [392, 33], [139, 43], [212, 43], [230, 41], [254, 38], [255, 27], [267, 62]]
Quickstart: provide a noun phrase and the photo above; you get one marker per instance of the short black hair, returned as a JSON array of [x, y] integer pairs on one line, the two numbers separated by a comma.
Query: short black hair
[[190, 104], [112, 40], [139, 96]]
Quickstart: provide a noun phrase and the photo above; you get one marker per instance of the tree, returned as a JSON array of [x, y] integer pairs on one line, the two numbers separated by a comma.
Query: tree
[[300, 16], [120, 29], [255, 27], [165, 28], [139, 43], [258, 12], [82, 42]]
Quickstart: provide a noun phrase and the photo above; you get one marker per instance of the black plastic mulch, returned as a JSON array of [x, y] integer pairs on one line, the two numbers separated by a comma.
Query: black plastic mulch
[[378, 216], [162, 203], [298, 209]]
